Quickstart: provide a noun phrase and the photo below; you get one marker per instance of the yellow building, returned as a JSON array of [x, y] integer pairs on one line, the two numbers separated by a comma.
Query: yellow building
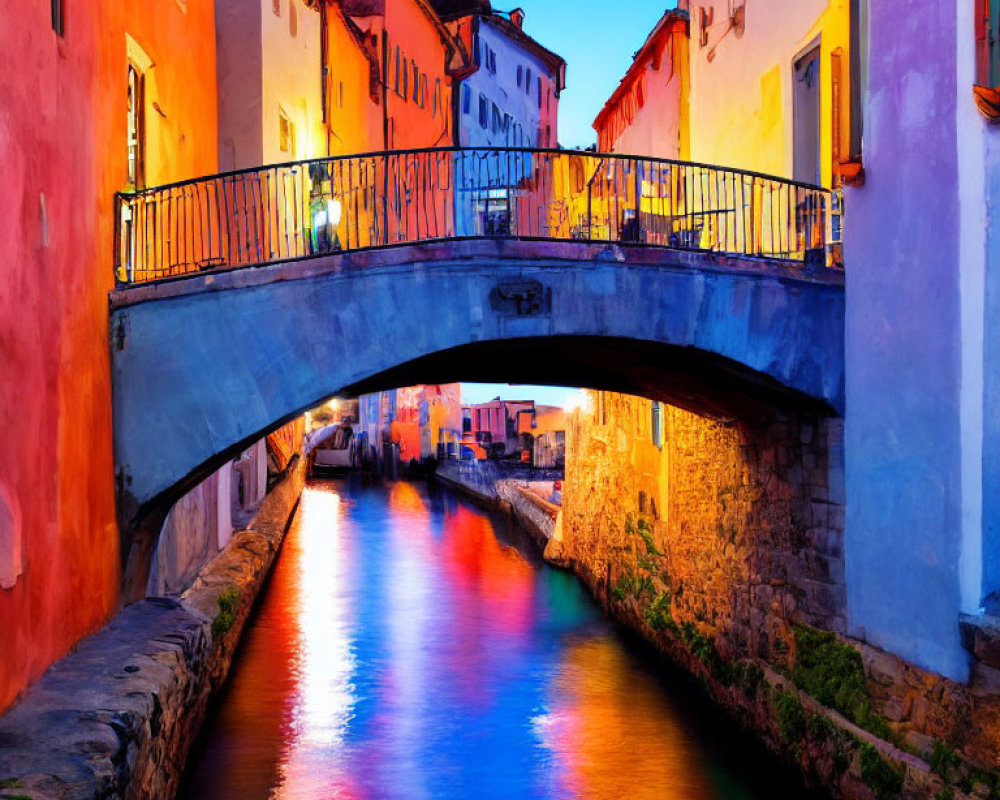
[[770, 86]]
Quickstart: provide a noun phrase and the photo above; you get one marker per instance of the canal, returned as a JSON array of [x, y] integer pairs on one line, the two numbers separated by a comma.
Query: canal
[[410, 645]]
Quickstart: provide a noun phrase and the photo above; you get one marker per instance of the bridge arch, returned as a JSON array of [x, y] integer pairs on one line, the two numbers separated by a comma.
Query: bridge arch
[[204, 366]]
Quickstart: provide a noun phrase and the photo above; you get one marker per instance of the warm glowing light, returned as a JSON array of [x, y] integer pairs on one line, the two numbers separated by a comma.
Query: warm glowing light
[[582, 401], [333, 211]]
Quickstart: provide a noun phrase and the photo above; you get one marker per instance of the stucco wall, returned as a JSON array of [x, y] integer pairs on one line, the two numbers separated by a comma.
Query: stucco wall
[[741, 100], [291, 81], [904, 436], [355, 124], [62, 132], [240, 82]]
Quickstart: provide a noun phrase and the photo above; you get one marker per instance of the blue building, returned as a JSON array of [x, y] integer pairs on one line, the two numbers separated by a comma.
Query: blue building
[[509, 98]]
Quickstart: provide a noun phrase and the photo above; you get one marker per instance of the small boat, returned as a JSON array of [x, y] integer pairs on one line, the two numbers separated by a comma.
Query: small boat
[[331, 450]]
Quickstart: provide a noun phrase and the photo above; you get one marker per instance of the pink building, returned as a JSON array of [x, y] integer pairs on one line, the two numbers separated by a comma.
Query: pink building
[[646, 114]]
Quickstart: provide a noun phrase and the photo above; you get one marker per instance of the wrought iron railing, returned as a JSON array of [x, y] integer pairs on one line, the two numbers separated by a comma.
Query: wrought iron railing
[[346, 203]]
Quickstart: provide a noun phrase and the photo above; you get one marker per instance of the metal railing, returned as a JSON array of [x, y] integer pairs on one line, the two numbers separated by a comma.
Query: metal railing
[[347, 203]]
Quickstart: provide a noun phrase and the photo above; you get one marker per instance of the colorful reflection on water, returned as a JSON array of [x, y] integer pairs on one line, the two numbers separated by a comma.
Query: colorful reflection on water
[[412, 646]]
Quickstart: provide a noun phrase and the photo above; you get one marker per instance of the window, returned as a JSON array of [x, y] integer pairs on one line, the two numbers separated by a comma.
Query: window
[[466, 100], [395, 83], [437, 97], [136, 131], [706, 16], [59, 17], [286, 134], [477, 52], [657, 425], [340, 94], [539, 93], [416, 84], [293, 19], [527, 82], [484, 112], [497, 119], [406, 78], [520, 75]]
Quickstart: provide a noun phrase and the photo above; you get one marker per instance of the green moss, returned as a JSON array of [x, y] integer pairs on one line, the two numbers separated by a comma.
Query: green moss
[[885, 779], [748, 676], [11, 783], [657, 614], [791, 718], [947, 793], [819, 727], [944, 760], [834, 674], [842, 759], [16, 797], [629, 585], [229, 602], [646, 532]]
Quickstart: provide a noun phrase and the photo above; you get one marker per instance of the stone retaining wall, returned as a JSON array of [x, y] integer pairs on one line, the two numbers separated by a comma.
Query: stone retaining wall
[[723, 545], [116, 718]]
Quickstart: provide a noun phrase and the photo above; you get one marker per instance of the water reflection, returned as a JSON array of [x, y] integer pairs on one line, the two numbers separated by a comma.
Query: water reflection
[[411, 646]]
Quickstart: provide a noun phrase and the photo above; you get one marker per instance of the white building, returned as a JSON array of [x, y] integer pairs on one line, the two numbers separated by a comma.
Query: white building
[[509, 98]]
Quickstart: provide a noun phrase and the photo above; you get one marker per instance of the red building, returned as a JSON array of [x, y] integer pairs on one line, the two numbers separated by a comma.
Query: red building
[[85, 114]]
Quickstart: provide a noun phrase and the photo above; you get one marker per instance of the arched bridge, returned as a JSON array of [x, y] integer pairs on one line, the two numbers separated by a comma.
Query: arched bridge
[[246, 298]]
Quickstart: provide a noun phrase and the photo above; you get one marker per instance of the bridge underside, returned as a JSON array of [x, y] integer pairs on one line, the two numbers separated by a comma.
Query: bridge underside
[[206, 365], [681, 376]]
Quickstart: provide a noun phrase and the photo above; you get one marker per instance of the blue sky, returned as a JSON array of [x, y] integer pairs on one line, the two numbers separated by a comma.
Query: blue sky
[[598, 39], [542, 395]]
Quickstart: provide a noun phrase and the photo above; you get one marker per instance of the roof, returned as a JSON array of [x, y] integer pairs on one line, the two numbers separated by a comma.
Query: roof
[[450, 9], [555, 62], [664, 26]]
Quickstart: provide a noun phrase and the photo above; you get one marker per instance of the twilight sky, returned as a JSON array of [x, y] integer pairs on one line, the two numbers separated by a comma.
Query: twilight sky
[[598, 39]]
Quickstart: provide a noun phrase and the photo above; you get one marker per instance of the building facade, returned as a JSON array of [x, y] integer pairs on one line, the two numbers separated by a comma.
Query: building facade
[[511, 97], [647, 114], [923, 336], [770, 86], [270, 82], [116, 97]]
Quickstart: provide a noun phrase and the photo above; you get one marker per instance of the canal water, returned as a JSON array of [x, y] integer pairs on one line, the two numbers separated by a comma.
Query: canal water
[[410, 645]]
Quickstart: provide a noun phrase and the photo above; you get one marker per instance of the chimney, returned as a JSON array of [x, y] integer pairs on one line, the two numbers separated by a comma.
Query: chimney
[[517, 17]]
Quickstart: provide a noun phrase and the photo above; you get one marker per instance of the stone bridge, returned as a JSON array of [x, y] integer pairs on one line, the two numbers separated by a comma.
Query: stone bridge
[[237, 308]]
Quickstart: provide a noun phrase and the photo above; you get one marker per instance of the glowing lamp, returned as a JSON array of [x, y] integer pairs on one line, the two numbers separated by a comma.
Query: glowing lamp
[[333, 211]]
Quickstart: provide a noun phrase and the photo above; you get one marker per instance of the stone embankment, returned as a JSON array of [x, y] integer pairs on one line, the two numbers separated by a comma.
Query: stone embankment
[[509, 490], [117, 717]]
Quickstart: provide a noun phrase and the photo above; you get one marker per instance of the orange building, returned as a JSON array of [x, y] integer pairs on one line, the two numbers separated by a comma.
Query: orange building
[[117, 94], [353, 93], [418, 56]]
